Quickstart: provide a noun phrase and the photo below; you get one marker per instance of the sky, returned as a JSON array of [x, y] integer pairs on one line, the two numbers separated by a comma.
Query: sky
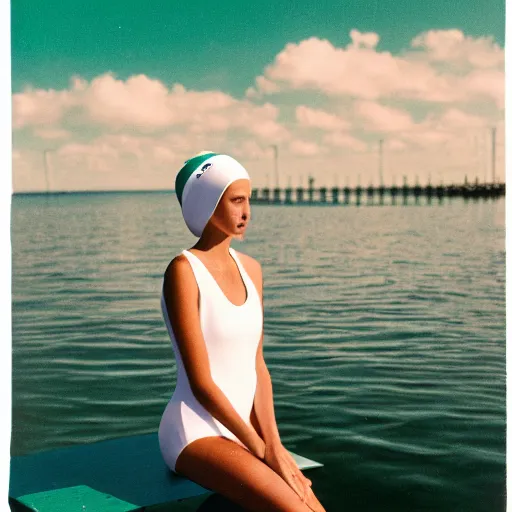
[[116, 95]]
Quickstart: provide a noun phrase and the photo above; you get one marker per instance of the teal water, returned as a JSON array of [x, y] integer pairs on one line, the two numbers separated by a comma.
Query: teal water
[[384, 337]]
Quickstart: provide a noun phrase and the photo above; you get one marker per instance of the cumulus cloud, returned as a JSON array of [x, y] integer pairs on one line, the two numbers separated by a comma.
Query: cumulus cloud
[[472, 69], [346, 141], [152, 150], [138, 101], [363, 40], [304, 148], [374, 116], [454, 47], [37, 107], [144, 105], [456, 118], [443, 91], [52, 133], [316, 118], [396, 144]]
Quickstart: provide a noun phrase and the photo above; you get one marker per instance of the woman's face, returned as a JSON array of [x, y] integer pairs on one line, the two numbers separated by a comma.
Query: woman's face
[[233, 209]]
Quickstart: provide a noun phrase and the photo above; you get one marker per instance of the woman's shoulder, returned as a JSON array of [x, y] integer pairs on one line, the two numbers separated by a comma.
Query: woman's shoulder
[[247, 260], [177, 265], [252, 267]]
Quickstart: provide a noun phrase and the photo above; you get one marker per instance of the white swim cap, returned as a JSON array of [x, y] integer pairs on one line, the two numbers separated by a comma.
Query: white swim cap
[[200, 184]]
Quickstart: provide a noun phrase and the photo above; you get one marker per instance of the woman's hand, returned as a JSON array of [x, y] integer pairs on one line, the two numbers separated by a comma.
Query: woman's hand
[[255, 443], [279, 459], [260, 448], [296, 468]]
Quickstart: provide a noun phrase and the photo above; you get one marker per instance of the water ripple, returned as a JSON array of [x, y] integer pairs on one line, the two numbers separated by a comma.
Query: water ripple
[[384, 337]]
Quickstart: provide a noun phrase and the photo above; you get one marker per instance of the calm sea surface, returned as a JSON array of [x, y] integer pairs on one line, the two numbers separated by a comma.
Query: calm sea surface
[[384, 337]]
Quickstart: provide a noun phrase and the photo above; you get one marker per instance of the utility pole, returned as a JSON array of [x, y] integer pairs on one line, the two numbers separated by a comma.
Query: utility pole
[[380, 162], [493, 154], [275, 164], [45, 160]]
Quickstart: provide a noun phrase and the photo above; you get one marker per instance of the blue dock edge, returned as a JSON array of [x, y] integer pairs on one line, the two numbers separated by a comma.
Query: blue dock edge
[[117, 475]]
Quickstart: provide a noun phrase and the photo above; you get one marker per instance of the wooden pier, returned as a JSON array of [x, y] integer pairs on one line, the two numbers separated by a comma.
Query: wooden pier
[[376, 195]]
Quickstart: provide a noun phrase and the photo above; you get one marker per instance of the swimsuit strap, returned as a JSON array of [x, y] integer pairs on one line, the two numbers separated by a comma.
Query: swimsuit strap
[[241, 270]]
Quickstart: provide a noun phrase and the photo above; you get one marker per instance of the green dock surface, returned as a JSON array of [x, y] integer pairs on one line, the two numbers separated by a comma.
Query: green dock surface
[[118, 475]]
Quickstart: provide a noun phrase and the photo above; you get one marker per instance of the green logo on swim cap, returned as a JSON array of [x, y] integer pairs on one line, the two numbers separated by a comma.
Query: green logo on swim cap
[[204, 168], [187, 170]]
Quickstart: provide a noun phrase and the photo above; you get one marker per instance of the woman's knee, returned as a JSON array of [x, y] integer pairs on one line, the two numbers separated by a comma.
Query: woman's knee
[[221, 465]]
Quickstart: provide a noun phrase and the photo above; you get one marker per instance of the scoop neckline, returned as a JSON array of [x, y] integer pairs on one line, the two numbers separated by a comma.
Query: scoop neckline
[[235, 258]]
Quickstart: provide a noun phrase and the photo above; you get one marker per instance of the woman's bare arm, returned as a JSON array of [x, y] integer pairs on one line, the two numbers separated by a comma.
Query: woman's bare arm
[[264, 400], [181, 296]]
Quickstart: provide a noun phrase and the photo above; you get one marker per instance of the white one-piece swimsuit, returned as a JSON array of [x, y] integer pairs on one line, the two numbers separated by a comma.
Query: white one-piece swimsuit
[[231, 334]]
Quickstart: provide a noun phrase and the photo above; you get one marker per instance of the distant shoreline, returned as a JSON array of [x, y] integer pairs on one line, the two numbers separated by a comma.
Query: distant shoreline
[[91, 192]]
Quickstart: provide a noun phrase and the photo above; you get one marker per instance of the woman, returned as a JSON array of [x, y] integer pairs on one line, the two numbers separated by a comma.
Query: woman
[[219, 428]]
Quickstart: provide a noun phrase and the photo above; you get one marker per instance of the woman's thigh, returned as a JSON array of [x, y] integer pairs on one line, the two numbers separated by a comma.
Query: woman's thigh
[[223, 466]]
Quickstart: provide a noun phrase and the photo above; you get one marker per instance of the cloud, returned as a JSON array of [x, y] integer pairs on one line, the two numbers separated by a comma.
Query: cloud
[[363, 40], [315, 118], [154, 151], [39, 107], [481, 85], [453, 47], [455, 118], [304, 148], [139, 101], [432, 105], [144, 105], [395, 144], [376, 117], [74, 151], [438, 67], [52, 133], [346, 141]]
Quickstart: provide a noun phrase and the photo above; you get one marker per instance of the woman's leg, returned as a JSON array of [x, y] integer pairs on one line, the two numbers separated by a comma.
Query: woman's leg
[[225, 467]]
